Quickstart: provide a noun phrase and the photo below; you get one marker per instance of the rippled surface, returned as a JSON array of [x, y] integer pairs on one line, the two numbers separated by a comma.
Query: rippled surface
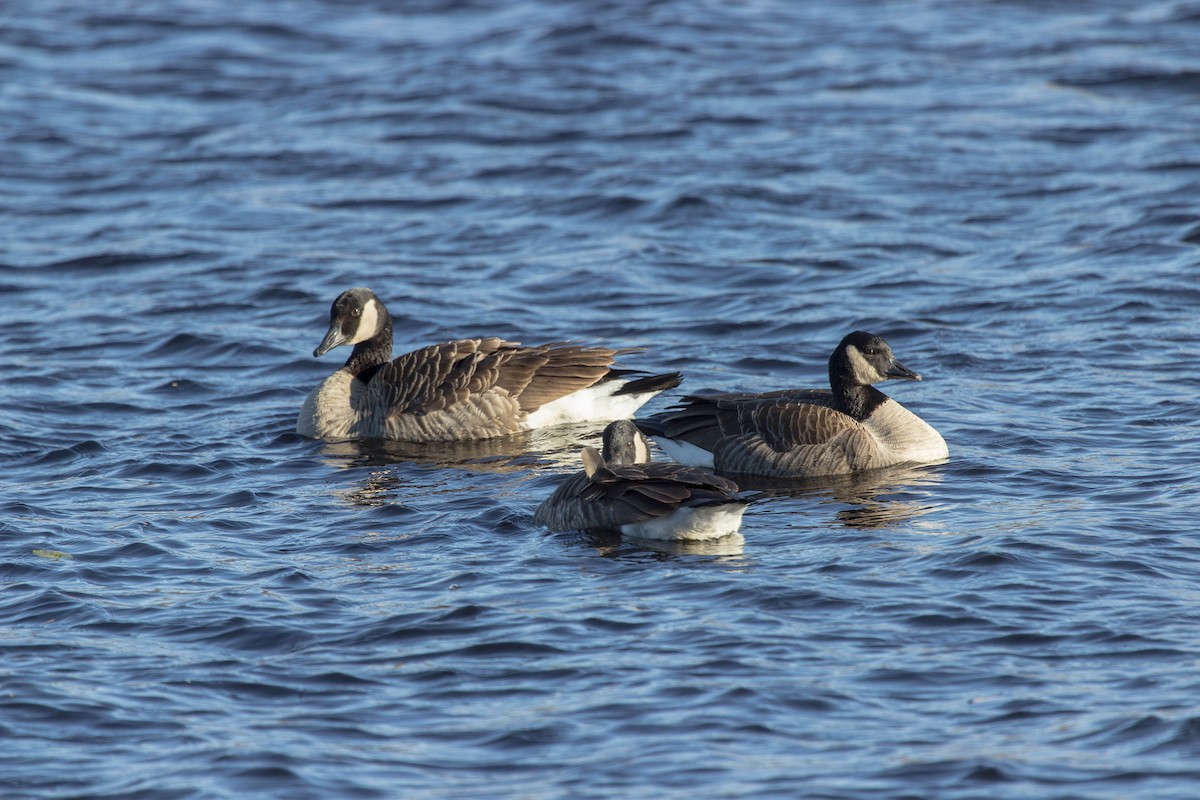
[[198, 603]]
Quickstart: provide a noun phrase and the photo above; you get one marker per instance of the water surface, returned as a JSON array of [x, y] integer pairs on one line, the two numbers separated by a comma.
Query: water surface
[[197, 603]]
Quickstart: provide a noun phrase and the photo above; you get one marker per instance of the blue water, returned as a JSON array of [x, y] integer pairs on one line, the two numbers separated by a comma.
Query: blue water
[[197, 603]]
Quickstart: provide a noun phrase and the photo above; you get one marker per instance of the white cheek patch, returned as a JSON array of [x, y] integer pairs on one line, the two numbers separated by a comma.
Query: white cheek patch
[[641, 450], [861, 369], [368, 323]]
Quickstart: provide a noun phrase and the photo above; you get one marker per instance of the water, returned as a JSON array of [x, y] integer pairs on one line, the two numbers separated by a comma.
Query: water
[[197, 603]]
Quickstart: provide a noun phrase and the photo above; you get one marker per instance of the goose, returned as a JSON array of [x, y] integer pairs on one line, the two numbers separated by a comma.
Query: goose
[[622, 490], [460, 390], [803, 433]]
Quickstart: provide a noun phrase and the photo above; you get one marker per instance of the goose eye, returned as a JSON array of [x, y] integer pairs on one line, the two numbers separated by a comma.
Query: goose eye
[[356, 312], [870, 351]]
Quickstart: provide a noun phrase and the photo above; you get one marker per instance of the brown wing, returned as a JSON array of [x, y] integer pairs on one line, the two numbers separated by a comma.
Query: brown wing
[[775, 434], [437, 377], [782, 422], [539, 375], [705, 419], [658, 488], [621, 495], [782, 438]]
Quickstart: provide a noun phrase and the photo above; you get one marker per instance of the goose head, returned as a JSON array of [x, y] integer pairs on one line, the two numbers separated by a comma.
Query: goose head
[[864, 358], [625, 444], [357, 315]]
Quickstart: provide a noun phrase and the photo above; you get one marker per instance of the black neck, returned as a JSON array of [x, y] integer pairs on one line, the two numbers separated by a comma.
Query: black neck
[[368, 356], [857, 400], [850, 397]]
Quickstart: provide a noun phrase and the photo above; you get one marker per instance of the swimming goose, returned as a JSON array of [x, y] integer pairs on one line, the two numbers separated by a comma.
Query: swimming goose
[[466, 389], [621, 490], [800, 433]]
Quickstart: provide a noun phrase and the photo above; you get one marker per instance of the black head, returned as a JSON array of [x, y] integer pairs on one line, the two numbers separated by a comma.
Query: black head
[[864, 358], [355, 316], [625, 444]]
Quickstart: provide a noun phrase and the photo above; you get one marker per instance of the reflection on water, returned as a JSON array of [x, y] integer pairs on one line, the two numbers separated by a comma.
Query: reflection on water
[[394, 467], [379, 488], [550, 447], [625, 174], [612, 545], [876, 499], [866, 501], [732, 545]]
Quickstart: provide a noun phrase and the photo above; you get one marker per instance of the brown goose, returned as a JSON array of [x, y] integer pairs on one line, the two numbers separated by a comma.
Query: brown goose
[[466, 389], [800, 433], [622, 491]]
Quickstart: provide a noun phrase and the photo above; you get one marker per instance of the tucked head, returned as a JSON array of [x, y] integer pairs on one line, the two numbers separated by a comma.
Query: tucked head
[[865, 358], [355, 316], [625, 444]]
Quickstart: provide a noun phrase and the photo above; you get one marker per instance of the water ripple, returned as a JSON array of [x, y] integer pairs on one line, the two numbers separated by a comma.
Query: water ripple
[[1008, 198]]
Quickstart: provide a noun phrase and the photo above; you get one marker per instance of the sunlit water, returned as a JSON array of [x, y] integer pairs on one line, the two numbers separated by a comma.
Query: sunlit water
[[197, 603]]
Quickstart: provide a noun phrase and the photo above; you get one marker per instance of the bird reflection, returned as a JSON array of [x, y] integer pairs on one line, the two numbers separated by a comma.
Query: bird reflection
[[612, 545], [547, 447], [877, 499], [732, 545], [865, 501], [379, 488], [395, 469]]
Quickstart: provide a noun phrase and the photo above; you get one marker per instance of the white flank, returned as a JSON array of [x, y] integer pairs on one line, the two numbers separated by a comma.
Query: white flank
[[904, 436], [684, 452], [328, 411], [690, 524], [306, 423], [586, 405]]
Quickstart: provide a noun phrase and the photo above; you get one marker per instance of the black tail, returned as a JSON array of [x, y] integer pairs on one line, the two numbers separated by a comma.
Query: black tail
[[651, 383], [651, 426]]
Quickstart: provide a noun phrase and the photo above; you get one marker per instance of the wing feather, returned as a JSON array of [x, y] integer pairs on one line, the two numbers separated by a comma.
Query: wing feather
[[539, 375], [627, 494], [437, 377], [774, 434]]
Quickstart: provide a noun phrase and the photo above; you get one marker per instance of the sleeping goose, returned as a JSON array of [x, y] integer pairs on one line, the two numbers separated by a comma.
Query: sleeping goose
[[465, 389], [621, 490], [800, 433]]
